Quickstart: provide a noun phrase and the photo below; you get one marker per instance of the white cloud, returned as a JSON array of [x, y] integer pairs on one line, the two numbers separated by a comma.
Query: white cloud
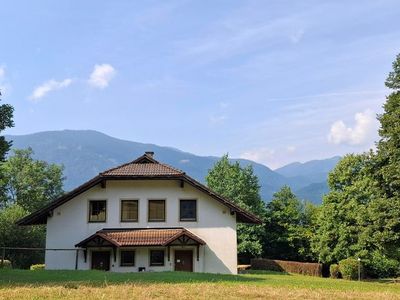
[[296, 36], [48, 86], [261, 155], [184, 161], [101, 75], [364, 128]]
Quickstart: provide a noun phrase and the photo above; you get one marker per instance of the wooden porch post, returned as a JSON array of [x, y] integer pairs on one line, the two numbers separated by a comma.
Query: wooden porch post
[[76, 259]]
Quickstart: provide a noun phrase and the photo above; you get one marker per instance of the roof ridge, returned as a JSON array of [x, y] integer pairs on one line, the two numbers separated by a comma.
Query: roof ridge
[[135, 161]]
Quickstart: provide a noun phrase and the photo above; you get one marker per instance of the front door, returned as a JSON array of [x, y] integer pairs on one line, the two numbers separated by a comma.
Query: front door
[[184, 260], [101, 260]]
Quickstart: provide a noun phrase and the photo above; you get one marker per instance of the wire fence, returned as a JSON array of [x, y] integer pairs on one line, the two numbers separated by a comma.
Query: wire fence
[[28, 255]]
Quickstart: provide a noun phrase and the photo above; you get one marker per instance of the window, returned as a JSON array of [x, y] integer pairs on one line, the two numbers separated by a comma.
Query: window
[[156, 210], [127, 258], [188, 210], [97, 210], [129, 210], [156, 257]]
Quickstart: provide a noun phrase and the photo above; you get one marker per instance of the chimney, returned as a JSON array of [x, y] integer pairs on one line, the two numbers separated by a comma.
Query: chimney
[[149, 153]]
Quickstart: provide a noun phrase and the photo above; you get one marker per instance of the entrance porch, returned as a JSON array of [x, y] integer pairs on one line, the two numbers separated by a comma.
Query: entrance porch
[[136, 250]]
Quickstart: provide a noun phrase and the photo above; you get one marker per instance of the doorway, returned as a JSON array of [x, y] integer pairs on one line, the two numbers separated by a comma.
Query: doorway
[[101, 260], [184, 260]]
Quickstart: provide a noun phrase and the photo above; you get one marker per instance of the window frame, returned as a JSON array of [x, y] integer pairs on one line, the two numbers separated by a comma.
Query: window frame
[[90, 210], [148, 211], [180, 211], [121, 264], [121, 212], [151, 264]]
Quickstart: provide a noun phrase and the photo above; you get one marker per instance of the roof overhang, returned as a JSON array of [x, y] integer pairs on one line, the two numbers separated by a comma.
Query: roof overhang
[[139, 237], [40, 216]]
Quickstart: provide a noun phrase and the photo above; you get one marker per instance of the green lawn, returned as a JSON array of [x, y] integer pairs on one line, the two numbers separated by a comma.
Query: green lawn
[[25, 284]]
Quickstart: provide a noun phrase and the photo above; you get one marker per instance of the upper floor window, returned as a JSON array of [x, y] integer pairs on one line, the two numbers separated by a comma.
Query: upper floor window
[[129, 210], [188, 210], [156, 210], [97, 210]]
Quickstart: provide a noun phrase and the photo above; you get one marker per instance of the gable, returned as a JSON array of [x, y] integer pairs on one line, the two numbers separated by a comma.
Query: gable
[[143, 168]]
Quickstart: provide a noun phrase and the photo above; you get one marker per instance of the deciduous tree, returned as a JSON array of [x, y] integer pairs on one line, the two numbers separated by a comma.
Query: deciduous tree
[[240, 185]]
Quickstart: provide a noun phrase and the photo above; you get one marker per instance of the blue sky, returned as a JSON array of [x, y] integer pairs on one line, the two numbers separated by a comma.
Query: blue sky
[[273, 81]]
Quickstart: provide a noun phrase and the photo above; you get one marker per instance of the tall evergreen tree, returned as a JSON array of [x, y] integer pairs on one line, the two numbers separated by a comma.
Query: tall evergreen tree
[[388, 147]]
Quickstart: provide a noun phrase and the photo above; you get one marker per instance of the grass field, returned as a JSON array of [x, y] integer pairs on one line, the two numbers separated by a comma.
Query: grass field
[[24, 284]]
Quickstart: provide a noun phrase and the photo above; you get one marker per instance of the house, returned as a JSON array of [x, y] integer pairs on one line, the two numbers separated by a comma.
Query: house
[[141, 216]]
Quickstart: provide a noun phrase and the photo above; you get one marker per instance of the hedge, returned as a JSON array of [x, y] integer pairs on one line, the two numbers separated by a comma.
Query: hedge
[[312, 269], [334, 271], [349, 268], [37, 267]]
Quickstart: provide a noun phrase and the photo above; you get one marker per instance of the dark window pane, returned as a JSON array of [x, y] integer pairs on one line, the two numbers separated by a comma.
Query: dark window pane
[[157, 210], [127, 258], [156, 257], [129, 210], [188, 210], [97, 211]]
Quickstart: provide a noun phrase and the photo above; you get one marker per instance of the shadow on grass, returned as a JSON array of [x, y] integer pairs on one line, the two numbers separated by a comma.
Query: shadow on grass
[[70, 279]]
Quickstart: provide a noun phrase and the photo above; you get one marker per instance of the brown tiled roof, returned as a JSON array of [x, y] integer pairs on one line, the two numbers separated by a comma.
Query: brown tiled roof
[[145, 168], [141, 237]]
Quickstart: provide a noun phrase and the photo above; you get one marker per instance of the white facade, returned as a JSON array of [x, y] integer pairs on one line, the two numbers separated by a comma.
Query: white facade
[[215, 225]]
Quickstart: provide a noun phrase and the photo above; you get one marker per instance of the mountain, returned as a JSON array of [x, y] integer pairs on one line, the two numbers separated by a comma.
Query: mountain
[[85, 153], [314, 172]]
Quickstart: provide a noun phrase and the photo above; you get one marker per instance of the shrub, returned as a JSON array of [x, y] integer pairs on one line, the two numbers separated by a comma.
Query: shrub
[[313, 269], [349, 268], [5, 264], [334, 271], [37, 267], [381, 266]]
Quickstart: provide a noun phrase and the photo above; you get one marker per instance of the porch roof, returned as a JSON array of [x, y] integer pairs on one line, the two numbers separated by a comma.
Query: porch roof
[[140, 237]]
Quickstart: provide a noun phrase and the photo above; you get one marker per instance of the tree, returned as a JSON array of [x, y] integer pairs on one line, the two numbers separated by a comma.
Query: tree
[[288, 227], [342, 221], [29, 183], [12, 235], [388, 148], [6, 121], [240, 185]]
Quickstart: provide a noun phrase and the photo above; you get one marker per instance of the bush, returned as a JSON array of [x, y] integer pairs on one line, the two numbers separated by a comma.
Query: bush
[[37, 267], [380, 266], [349, 268], [312, 269], [334, 271], [6, 264]]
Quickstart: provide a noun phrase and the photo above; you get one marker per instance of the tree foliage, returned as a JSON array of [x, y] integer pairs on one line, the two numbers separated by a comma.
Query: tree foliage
[[240, 185], [360, 216], [12, 235], [6, 121], [289, 226], [28, 182]]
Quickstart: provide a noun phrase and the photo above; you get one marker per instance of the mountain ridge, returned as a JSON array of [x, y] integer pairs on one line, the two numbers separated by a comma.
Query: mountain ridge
[[85, 153]]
